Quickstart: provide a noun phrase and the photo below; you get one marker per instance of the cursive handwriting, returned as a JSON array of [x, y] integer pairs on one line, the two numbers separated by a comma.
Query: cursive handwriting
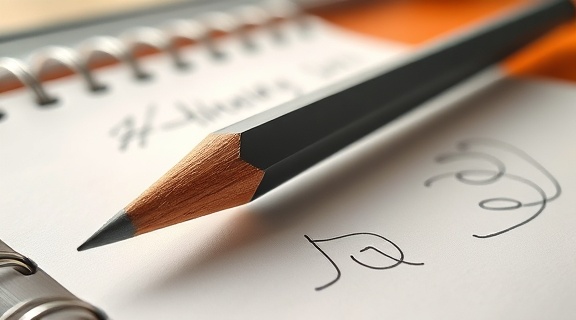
[[135, 130], [485, 177], [395, 261], [201, 112]]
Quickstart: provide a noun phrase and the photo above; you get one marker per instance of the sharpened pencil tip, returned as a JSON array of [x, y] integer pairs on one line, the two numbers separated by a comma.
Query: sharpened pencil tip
[[119, 228]]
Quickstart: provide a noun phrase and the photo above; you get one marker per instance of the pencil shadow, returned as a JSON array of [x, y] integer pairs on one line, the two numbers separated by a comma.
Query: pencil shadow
[[283, 210]]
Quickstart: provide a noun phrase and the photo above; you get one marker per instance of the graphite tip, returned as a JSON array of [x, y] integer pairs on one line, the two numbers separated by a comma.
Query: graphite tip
[[119, 228]]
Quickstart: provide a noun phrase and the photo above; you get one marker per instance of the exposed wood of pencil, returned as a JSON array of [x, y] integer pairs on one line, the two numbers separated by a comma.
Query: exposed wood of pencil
[[212, 177]]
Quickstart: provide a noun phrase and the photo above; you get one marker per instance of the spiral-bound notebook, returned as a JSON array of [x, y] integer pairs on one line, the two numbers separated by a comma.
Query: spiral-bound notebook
[[465, 214]]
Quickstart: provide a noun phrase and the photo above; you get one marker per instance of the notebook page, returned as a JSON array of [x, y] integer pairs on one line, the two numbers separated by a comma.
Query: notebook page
[[420, 196], [410, 223], [65, 169]]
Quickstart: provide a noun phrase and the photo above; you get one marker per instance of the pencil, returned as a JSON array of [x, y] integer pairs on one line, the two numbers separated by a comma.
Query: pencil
[[242, 162]]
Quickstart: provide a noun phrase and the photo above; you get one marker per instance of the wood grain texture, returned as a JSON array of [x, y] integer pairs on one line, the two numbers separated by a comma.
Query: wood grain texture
[[212, 177]]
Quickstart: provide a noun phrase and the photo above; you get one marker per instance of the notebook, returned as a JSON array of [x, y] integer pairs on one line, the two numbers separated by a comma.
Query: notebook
[[459, 210]]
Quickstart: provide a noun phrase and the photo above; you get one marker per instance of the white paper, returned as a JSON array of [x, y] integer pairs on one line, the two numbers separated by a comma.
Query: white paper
[[67, 168], [63, 176]]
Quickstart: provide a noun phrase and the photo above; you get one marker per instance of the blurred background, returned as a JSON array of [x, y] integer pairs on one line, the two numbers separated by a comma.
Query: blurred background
[[27, 25], [19, 15]]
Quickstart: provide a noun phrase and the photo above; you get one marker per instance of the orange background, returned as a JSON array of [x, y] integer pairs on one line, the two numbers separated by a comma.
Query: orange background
[[418, 21]]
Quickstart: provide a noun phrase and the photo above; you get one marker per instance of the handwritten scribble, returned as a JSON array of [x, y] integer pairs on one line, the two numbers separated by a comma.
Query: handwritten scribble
[[484, 177], [202, 113], [395, 261], [130, 130], [137, 129]]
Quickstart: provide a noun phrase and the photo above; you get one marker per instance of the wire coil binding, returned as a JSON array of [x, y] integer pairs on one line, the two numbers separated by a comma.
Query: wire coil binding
[[41, 308], [204, 30], [17, 261]]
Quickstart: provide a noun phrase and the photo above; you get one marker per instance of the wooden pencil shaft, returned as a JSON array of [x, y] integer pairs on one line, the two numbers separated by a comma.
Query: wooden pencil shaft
[[284, 146], [212, 177]]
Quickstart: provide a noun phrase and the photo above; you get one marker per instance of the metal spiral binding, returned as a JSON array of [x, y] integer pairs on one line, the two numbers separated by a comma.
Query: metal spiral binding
[[41, 308], [204, 30], [112, 47], [17, 261], [251, 17], [23, 74]]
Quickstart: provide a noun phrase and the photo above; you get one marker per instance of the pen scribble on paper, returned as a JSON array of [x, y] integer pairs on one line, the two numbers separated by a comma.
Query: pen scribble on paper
[[188, 116], [197, 112], [467, 150], [131, 130], [202, 113], [394, 261], [173, 114]]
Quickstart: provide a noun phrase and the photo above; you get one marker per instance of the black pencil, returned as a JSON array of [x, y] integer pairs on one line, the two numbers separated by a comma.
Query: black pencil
[[242, 162]]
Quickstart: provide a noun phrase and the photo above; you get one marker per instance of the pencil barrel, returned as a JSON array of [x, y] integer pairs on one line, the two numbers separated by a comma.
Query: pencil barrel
[[284, 146]]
